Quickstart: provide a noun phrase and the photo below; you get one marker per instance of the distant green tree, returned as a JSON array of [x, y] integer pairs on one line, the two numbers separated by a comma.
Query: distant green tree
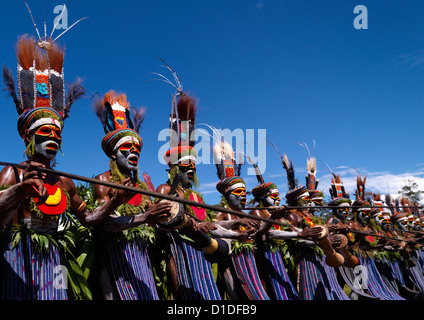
[[410, 190]]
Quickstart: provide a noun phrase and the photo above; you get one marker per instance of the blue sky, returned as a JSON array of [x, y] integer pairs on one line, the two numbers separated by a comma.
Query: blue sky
[[298, 69]]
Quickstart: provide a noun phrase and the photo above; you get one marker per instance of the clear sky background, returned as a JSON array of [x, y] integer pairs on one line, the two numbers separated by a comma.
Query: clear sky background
[[298, 69]]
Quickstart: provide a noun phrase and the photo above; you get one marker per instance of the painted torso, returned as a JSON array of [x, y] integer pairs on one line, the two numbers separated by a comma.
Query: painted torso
[[137, 204], [40, 217], [188, 194]]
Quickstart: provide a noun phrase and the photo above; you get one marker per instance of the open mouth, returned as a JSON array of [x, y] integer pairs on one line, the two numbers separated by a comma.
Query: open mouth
[[190, 174], [133, 160], [52, 146]]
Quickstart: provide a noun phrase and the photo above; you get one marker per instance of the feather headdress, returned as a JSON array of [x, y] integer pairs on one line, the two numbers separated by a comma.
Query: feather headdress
[[379, 200], [398, 214], [311, 166], [375, 210], [182, 122], [391, 203], [227, 169], [315, 196], [41, 93], [182, 125], [288, 166], [295, 193], [120, 122], [257, 170], [407, 209], [311, 179], [376, 201], [338, 193], [224, 159], [337, 189], [360, 187], [263, 189], [362, 202], [405, 202]]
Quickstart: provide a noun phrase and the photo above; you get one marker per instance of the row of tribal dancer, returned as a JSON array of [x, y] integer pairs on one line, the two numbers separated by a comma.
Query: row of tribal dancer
[[119, 244]]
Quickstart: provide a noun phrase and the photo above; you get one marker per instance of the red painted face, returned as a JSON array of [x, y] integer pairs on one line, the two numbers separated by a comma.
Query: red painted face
[[131, 152], [50, 131], [131, 146], [240, 194], [386, 223], [275, 197], [188, 168], [47, 140]]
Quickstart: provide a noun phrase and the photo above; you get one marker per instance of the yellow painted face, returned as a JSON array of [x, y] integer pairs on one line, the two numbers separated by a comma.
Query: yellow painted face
[[344, 210], [47, 140], [403, 222], [131, 146], [385, 221], [275, 197], [128, 154], [131, 152], [237, 197], [239, 192], [48, 130], [188, 168], [365, 214]]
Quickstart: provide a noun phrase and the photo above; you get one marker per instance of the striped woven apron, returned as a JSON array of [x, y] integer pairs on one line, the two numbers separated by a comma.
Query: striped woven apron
[[318, 281], [27, 274], [375, 284], [247, 273], [130, 269], [194, 273], [281, 284]]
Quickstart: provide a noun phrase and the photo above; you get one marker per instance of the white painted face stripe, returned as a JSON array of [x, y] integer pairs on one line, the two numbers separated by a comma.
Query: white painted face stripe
[[43, 121], [124, 139], [235, 186], [187, 159]]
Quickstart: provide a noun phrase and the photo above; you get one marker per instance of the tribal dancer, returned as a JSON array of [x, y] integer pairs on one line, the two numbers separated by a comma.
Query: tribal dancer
[[316, 277], [270, 263], [387, 258], [339, 222], [132, 277], [190, 249], [365, 244], [27, 269], [418, 223], [240, 272], [403, 220], [315, 199]]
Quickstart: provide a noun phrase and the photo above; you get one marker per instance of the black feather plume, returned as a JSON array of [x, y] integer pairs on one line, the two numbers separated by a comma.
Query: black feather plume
[[75, 91], [10, 87], [138, 118], [288, 165], [100, 111]]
